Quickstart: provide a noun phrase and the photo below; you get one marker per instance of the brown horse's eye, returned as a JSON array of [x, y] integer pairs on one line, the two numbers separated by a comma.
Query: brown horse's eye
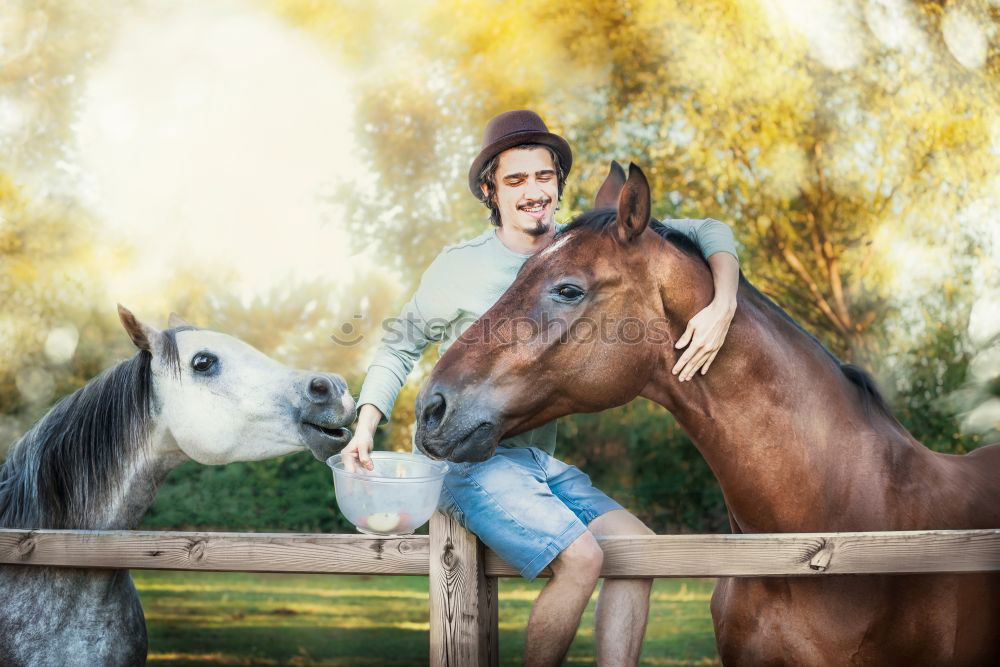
[[569, 293]]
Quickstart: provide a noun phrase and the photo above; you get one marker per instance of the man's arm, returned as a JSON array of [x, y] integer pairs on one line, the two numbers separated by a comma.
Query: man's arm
[[706, 331], [423, 320], [363, 441]]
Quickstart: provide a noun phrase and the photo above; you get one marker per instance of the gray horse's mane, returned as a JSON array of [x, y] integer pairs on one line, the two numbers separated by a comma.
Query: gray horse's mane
[[63, 471], [868, 392]]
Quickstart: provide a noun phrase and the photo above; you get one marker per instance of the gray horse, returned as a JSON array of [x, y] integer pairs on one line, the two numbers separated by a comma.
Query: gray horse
[[96, 459]]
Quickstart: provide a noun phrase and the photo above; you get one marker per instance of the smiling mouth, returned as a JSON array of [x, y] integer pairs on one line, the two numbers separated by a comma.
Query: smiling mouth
[[536, 210]]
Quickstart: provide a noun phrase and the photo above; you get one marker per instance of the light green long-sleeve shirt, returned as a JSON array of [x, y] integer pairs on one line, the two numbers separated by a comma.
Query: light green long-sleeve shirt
[[461, 284]]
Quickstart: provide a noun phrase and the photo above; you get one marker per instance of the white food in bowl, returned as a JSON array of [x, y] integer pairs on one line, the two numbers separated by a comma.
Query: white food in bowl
[[383, 522]]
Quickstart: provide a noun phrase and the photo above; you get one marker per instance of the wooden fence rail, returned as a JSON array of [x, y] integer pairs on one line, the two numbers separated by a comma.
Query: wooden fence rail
[[463, 574], [761, 555]]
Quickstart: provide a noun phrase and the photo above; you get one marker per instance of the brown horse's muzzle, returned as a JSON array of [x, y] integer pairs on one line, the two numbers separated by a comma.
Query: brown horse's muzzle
[[466, 435]]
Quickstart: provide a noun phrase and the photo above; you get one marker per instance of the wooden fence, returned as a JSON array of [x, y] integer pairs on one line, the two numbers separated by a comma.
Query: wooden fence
[[463, 574]]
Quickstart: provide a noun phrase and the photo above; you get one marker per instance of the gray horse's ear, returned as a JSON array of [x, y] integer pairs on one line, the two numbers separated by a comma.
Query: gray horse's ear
[[634, 205], [143, 336], [607, 196], [175, 321]]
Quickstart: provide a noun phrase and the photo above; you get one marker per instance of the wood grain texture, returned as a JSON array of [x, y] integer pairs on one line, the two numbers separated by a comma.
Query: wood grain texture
[[790, 554], [220, 552], [463, 600]]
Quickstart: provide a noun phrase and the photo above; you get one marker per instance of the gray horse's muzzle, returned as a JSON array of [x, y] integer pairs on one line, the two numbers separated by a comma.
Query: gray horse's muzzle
[[327, 408]]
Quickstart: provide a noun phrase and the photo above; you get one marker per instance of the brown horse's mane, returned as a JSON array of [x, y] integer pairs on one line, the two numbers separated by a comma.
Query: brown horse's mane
[[871, 398]]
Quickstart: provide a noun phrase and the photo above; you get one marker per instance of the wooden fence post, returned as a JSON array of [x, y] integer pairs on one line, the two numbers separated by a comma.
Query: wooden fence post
[[463, 600]]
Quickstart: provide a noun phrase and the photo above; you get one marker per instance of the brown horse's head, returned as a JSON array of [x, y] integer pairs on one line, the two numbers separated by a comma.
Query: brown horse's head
[[583, 328]]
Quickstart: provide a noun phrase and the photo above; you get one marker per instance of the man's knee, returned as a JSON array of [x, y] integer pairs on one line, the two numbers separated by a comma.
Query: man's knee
[[618, 522], [582, 559]]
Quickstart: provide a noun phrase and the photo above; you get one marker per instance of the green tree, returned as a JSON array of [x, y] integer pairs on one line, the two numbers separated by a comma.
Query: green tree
[[54, 334], [847, 156]]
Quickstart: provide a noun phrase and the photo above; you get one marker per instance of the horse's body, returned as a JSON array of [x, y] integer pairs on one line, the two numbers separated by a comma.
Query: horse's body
[[58, 616], [96, 459], [798, 441], [792, 458]]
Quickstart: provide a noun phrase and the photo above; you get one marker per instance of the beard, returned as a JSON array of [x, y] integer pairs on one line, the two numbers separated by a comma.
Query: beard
[[540, 228]]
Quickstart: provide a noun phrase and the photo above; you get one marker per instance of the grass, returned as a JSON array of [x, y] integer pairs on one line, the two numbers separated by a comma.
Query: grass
[[312, 620]]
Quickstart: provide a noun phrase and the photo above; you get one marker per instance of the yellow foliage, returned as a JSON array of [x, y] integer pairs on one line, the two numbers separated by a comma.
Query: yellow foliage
[[738, 110]]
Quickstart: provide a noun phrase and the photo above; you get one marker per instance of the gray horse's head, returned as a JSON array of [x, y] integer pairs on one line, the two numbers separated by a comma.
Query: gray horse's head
[[219, 400]]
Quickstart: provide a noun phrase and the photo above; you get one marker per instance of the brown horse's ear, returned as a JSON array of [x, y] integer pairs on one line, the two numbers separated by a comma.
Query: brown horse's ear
[[633, 205], [143, 336], [607, 196], [175, 321]]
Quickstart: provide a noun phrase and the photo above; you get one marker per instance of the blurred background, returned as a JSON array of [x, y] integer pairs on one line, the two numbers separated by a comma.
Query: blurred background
[[283, 170]]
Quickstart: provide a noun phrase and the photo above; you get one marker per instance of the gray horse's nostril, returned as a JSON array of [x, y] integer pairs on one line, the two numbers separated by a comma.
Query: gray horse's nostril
[[320, 390], [434, 412]]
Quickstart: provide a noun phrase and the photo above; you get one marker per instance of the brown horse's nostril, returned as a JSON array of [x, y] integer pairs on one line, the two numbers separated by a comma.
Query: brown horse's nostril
[[434, 412], [320, 389]]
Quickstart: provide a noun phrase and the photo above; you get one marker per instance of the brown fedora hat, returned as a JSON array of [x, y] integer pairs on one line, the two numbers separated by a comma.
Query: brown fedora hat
[[515, 128]]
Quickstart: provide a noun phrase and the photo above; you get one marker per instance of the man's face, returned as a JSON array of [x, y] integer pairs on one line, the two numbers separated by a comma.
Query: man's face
[[527, 190]]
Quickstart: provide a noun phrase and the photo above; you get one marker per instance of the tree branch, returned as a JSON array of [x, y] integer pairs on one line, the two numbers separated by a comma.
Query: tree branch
[[800, 270]]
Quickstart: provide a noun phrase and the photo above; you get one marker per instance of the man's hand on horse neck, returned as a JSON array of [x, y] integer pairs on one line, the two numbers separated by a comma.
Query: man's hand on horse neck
[[707, 330]]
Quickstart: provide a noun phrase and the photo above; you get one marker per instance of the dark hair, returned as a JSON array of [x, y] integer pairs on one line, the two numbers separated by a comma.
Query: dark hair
[[488, 176], [63, 472]]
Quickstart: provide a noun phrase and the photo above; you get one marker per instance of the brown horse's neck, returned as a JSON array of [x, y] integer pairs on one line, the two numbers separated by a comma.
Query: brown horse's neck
[[779, 423]]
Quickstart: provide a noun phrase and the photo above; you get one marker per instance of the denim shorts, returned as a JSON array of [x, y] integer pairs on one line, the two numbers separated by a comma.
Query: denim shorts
[[524, 504]]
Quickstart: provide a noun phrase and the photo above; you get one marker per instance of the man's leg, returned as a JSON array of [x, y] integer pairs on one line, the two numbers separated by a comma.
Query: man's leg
[[507, 501], [558, 608], [623, 605]]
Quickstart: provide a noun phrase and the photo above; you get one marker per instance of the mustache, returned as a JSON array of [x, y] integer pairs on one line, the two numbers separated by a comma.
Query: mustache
[[544, 201]]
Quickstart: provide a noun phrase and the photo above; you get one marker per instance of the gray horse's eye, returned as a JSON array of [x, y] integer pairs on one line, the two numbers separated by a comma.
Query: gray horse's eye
[[203, 362]]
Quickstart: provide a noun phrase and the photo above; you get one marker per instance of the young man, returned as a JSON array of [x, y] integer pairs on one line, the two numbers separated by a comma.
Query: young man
[[531, 508]]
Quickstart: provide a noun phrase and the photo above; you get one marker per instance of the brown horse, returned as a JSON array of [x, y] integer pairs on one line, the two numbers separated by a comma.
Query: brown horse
[[798, 441]]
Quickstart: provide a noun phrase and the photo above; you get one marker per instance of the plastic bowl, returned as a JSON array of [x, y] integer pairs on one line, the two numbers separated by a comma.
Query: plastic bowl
[[395, 498]]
